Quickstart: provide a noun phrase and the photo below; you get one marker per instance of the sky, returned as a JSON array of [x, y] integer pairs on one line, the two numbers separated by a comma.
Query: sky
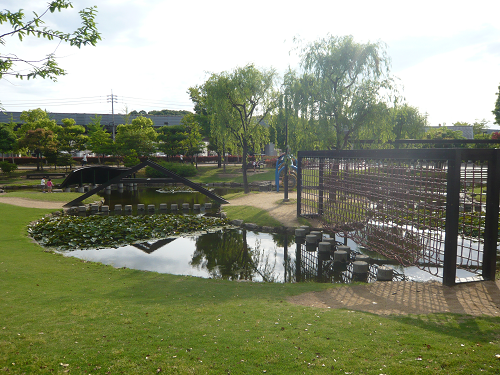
[[445, 55]]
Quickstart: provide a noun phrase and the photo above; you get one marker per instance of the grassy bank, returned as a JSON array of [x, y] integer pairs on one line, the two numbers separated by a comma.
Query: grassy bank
[[62, 314]]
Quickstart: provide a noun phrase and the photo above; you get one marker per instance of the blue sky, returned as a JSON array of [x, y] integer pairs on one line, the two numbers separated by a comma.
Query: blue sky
[[446, 56]]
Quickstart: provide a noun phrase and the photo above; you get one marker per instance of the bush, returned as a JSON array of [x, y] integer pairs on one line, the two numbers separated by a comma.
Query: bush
[[183, 170], [7, 167]]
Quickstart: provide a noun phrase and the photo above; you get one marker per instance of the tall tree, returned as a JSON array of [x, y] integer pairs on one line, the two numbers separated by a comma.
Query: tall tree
[[99, 140], [409, 123], [347, 81], [170, 139], [46, 67], [8, 139], [193, 143], [212, 123], [71, 136], [137, 138], [245, 97], [496, 111], [39, 141]]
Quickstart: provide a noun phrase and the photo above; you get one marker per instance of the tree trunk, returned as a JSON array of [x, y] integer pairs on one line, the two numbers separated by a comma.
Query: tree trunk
[[244, 165]]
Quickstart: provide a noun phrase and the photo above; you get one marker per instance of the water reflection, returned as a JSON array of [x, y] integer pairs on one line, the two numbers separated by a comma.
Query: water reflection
[[240, 255], [232, 254]]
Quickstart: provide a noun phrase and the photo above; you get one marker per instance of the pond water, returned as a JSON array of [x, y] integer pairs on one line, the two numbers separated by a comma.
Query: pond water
[[233, 254], [153, 195]]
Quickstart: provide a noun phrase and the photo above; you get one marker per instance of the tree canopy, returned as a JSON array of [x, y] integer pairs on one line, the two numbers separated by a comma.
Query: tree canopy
[[46, 67], [342, 86], [496, 111], [240, 101]]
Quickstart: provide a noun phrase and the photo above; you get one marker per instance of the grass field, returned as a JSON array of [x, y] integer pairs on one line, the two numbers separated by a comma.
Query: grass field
[[65, 315]]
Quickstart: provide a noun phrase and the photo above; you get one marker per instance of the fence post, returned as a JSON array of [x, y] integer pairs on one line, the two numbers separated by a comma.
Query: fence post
[[491, 217], [452, 211], [299, 184], [321, 167]]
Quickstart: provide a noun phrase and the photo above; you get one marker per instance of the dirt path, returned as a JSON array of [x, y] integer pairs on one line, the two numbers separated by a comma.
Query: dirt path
[[31, 203], [272, 202], [383, 298]]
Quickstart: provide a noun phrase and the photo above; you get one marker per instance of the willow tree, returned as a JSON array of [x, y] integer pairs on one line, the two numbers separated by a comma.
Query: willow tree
[[241, 101], [346, 83]]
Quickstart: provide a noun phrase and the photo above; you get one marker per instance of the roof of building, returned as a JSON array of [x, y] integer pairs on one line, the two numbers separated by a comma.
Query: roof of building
[[86, 118]]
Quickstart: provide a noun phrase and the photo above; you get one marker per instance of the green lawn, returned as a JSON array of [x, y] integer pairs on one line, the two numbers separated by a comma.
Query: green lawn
[[65, 315]]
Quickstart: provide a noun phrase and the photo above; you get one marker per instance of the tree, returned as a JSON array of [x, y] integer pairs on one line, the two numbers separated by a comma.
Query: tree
[[99, 140], [38, 133], [71, 136], [496, 111], [46, 67], [244, 98], [137, 138], [8, 139], [171, 138], [193, 142], [443, 133], [212, 122], [409, 123], [40, 141], [345, 82], [37, 119]]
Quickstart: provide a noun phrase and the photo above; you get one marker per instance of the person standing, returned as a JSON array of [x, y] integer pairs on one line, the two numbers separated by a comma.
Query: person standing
[[49, 185], [84, 160], [42, 184]]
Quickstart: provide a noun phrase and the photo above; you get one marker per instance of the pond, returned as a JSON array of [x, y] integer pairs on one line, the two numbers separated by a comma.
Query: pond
[[154, 195], [235, 254]]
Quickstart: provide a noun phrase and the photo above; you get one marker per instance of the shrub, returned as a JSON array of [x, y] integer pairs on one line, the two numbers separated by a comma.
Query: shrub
[[7, 167], [183, 170]]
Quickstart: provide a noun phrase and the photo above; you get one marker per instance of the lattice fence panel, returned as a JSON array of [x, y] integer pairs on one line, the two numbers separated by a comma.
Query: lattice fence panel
[[397, 207]]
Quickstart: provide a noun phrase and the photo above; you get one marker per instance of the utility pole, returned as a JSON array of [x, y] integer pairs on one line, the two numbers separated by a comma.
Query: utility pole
[[113, 99]]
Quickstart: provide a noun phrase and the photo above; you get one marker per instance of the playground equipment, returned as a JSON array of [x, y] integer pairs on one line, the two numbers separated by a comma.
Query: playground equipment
[[280, 172]]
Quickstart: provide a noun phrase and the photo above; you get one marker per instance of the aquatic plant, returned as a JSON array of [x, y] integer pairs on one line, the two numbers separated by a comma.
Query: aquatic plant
[[75, 232]]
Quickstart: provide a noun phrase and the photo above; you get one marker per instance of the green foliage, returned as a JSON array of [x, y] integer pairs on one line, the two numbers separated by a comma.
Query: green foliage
[[71, 137], [163, 112], [45, 67], [8, 139], [181, 169], [170, 139], [342, 86], [239, 101], [496, 111], [131, 159], [99, 141], [75, 232], [443, 133], [7, 167], [65, 160], [139, 136], [193, 141]]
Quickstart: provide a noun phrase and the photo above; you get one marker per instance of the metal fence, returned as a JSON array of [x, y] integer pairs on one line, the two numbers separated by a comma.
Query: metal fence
[[436, 209]]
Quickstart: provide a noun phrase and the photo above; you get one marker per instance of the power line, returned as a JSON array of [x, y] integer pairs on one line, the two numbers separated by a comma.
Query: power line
[[95, 99]]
